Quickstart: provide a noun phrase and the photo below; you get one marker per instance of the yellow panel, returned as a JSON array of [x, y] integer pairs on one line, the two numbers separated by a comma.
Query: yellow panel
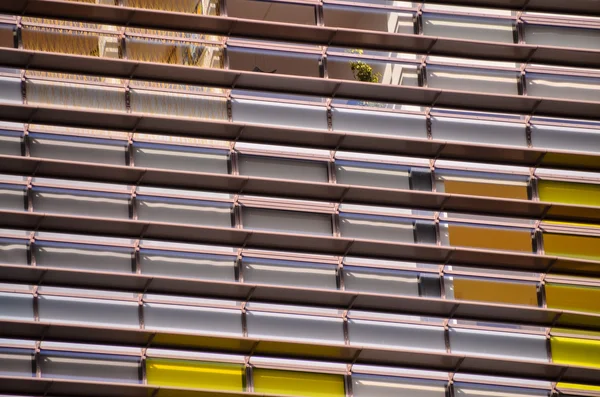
[[495, 291], [573, 351], [582, 247], [571, 297], [569, 193], [195, 374], [490, 238], [577, 387], [298, 383], [486, 189]]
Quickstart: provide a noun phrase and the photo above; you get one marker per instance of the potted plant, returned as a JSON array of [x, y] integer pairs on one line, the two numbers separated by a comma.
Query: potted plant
[[362, 71]]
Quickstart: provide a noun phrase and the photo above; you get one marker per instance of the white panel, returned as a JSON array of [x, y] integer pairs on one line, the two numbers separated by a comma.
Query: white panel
[[376, 230], [16, 306], [478, 80], [380, 281], [499, 344], [78, 151], [10, 90], [179, 160], [273, 167], [10, 144], [295, 327], [192, 319], [468, 28], [564, 138], [12, 199], [293, 274], [385, 178], [80, 205], [292, 115], [187, 265], [79, 258], [473, 390], [562, 36], [19, 364], [387, 386], [105, 370], [563, 87], [13, 252], [406, 336], [478, 131], [287, 221], [373, 122], [89, 311], [183, 212]]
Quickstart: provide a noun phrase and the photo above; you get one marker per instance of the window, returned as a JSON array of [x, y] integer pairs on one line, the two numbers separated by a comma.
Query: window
[[478, 131], [468, 27], [565, 138], [75, 95], [86, 43], [16, 362], [10, 141], [283, 168], [287, 221], [294, 274], [563, 87], [195, 374], [368, 18], [74, 148], [282, 114], [383, 123], [274, 11], [470, 79], [291, 383], [273, 61], [404, 336], [10, 87], [374, 227], [569, 192], [177, 52], [482, 184], [181, 158], [83, 256], [177, 104], [486, 237], [13, 197], [185, 211], [80, 202], [491, 290], [16, 306], [384, 386], [472, 390], [13, 251], [187, 6], [392, 71], [561, 36], [187, 265], [389, 281], [578, 352], [573, 246]]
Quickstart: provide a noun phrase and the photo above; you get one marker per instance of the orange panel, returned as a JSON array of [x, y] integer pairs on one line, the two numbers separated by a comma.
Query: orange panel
[[495, 291], [486, 189], [490, 238]]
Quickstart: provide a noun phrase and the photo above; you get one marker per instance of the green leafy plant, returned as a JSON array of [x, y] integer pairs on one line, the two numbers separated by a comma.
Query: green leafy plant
[[362, 71]]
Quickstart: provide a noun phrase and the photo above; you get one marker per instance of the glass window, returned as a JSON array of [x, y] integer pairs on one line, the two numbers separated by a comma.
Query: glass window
[[10, 87], [368, 18], [7, 38], [83, 256], [273, 61], [468, 27], [283, 114], [75, 95], [176, 210], [573, 297], [64, 147], [283, 168], [195, 374], [295, 274], [187, 6], [561, 36], [491, 290], [175, 52], [472, 390], [384, 123], [486, 237], [10, 141], [405, 336], [274, 11], [181, 158], [372, 174], [287, 221], [178, 104], [384, 386], [478, 131], [187, 265], [563, 87], [499, 344], [16, 306], [381, 71], [565, 138], [87, 43], [12, 197], [468, 79], [80, 202], [374, 227], [13, 251], [82, 366], [16, 362], [291, 383]]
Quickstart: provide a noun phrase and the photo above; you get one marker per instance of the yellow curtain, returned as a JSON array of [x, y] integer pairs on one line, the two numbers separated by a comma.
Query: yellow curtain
[[304, 384], [572, 297], [495, 291], [75, 95], [175, 104], [569, 193], [195, 374], [188, 6], [61, 41], [582, 247], [490, 238], [572, 351], [486, 189]]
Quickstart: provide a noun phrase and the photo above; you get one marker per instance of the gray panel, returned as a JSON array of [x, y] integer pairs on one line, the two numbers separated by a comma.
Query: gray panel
[[287, 221], [80, 151], [192, 319], [563, 87], [273, 167], [356, 175], [467, 28], [561, 36], [387, 386], [368, 19], [295, 327], [470, 390], [564, 138], [499, 344], [90, 311], [478, 131], [181, 161], [373, 122], [12, 199], [105, 370], [14, 253], [294, 275], [10, 90], [20, 364], [187, 266], [420, 179], [407, 336], [16, 306], [376, 230], [10, 145], [185, 213], [426, 232], [292, 115], [80, 205], [381, 281], [83, 259], [430, 286], [492, 82]]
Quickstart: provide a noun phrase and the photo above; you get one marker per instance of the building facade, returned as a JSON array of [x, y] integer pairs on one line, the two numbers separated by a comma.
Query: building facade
[[303, 198]]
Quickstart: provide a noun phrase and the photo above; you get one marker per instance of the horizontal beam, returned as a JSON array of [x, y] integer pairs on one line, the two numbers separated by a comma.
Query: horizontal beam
[[235, 184], [328, 245], [456, 363], [319, 35], [444, 308]]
